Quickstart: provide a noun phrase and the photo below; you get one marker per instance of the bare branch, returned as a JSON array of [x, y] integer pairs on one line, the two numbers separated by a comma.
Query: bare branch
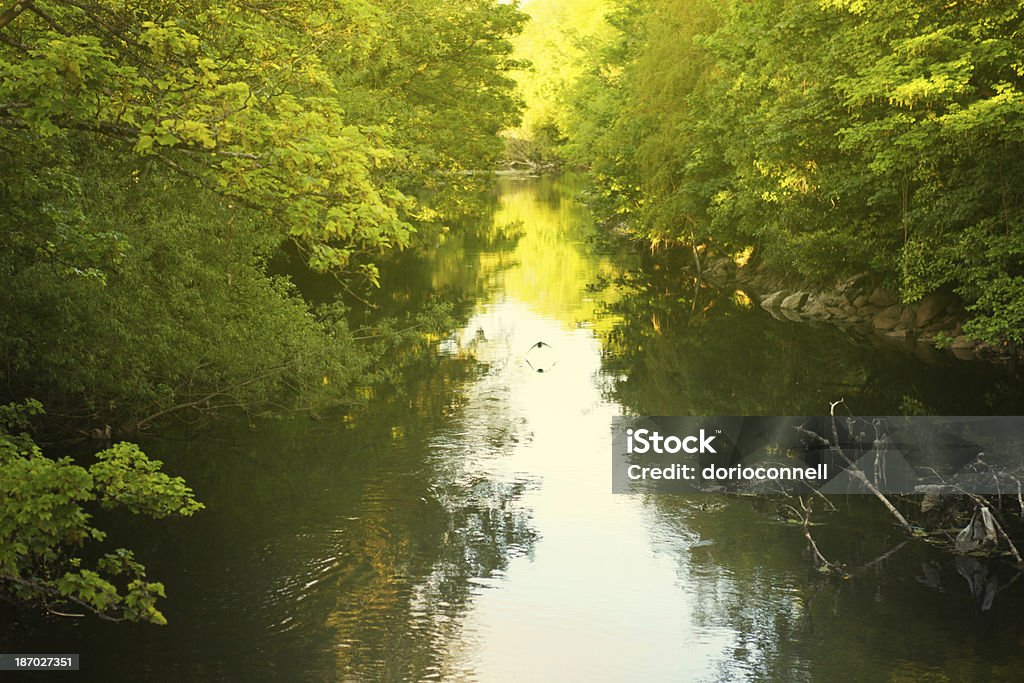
[[50, 21], [854, 470]]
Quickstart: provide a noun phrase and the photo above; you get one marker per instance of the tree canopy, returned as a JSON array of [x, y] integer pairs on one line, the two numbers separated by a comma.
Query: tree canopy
[[156, 155], [162, 164], [834, 136]]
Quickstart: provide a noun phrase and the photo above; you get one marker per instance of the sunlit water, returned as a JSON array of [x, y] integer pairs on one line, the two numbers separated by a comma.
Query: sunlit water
[[465, 529]]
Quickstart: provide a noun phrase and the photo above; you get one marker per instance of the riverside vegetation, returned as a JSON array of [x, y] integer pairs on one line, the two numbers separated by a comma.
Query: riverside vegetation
[[830, 138], [172, 170], [157, 160], [857, 162]]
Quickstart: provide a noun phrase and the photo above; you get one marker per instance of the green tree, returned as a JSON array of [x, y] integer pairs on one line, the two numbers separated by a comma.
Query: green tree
[[554, 47], [157, 162], [155, 157], [45, 525], [833, 136]]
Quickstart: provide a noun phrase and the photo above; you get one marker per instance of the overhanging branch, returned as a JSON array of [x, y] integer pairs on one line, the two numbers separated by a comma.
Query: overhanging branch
[[14, 11]]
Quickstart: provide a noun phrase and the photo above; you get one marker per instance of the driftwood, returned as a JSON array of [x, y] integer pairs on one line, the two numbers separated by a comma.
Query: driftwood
[[982, 533], [855, 471]]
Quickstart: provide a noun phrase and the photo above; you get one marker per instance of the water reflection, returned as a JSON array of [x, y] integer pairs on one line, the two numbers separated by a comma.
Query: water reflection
[[908, 611], [667, 588], [464, 527], [685, 348]]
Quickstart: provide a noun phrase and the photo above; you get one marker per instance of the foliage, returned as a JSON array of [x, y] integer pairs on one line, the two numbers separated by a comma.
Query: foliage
[[309, 111], [157, 159], [554, 48], [44, 524], [155, 156], [834, 136], [182, 315]]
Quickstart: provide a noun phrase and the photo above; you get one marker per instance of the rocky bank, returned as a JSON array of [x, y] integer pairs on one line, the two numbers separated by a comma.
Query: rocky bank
[[861, 304]]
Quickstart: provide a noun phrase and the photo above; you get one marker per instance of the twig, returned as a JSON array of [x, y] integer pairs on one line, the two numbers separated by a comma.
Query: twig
[[854, 470], [806, 525], [884, 556]]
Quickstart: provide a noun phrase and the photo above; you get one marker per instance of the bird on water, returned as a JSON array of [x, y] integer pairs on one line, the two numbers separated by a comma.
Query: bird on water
[[543, 357]]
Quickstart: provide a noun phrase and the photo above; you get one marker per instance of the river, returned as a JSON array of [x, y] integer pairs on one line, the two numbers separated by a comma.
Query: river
[[463, 528]]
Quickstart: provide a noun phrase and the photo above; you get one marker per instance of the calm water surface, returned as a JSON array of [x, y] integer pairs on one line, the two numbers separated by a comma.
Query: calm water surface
[[464, 529]]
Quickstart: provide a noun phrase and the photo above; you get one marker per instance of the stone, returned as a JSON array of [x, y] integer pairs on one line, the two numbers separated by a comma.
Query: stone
[[907, 316], [794, 302], [961, 342], [888, 319], [816, 309], [727, 264], [856, 282], [773, 300], [720, 269], [882, 297], [898, 333], [791, 314], [932, 306], [964, 354], [861, 301]]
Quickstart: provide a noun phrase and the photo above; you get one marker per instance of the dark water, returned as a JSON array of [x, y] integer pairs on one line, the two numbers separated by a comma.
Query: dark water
[[464, 529]]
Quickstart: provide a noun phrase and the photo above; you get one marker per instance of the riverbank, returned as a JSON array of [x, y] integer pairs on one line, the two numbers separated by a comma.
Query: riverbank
[[861, 304]]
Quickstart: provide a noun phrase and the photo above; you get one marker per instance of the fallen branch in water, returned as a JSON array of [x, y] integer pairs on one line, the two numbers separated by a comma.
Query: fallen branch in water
[[984, 528], [855, 471], [821, 561]]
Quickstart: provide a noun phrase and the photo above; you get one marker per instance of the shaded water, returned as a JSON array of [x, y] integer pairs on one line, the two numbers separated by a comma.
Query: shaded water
[[464, 528]]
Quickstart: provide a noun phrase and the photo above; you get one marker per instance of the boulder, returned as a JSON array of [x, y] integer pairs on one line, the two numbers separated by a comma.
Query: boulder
[[773, 300], [832, 299], [720, 269], [792, 314], [964, 354], [962, 342], [794, 302], [907, 316], [932, 306], [882, 297], [888, 319], [856, 282], [816, 309]]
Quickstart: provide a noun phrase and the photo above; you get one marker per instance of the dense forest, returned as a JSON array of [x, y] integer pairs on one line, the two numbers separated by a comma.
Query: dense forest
[[834, 137], [160, 161]]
